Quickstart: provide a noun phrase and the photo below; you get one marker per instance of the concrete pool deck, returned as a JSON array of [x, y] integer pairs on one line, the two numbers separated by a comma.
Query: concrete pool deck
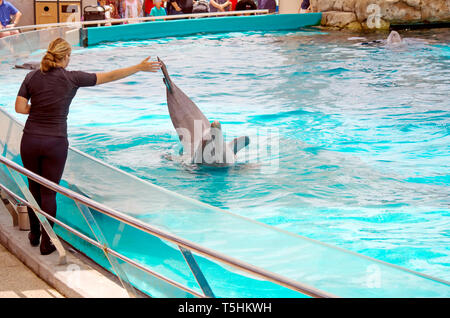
[[24, 272], [18, 281]]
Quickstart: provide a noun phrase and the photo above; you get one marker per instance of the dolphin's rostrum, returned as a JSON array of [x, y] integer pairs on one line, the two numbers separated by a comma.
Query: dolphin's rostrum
[[202, 141]]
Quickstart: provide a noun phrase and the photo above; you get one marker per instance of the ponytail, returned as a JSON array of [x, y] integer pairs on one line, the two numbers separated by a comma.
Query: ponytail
[[56, 52], [48, 62]]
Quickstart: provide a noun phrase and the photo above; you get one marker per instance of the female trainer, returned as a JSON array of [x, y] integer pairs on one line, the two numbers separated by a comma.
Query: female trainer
[[44, 144]]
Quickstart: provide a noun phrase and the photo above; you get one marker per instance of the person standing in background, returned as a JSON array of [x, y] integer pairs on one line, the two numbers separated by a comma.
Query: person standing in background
[[271, 5], [9, 18], [200, 6], [244, 5], [148, 5], [158, 9], [116, 7], [219, 5], [109, 9], [305, 7], [179, 7], [233, 4], [132, 9]]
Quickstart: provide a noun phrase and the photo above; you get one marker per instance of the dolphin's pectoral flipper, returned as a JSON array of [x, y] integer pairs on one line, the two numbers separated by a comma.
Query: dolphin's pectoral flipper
[[166, 78], [238, 143]]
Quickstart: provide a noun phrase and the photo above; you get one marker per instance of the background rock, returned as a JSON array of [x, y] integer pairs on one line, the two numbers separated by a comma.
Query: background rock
[[435, 11], [337, 19], [383, 12], [400, 12], [354, 26]]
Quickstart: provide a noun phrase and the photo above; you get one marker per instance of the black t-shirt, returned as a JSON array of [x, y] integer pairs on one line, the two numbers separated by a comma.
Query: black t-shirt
[[243, 5], [305, 4], [51, 94], [185, 5]]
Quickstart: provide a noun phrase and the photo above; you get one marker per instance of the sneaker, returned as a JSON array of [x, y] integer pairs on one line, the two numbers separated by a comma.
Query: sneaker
[[47, 248], [34, 238]]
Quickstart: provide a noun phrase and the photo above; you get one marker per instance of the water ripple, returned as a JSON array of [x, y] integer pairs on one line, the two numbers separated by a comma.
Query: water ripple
[[363, 132]]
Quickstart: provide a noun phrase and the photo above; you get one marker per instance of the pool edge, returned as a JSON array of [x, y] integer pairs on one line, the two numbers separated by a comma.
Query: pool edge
[[78, 278]]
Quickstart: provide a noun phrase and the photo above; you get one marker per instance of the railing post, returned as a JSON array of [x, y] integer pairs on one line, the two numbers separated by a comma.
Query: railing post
[[44, 222], [198, 274], [95, 228], [83, 37], [24, 220], [9, 207]]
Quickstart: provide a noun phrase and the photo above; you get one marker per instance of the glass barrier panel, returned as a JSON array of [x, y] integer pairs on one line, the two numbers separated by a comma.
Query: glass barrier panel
[[324, 267], [28, 42]]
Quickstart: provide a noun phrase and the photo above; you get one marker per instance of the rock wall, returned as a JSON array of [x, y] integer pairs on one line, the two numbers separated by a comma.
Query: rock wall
[[379, 14]]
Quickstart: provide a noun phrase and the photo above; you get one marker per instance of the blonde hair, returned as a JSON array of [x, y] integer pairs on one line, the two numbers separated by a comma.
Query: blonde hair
[[57, 50]]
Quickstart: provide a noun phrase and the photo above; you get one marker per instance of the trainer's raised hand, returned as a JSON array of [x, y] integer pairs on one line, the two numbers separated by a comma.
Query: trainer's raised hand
[[144, 66], [149, 66]]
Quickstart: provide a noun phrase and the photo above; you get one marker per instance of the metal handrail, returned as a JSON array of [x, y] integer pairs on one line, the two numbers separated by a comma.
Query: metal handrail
[[233, 262], [166, 17], [100, 246]]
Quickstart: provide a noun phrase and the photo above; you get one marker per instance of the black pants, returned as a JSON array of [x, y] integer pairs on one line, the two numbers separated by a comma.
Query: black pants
[[45, 156]]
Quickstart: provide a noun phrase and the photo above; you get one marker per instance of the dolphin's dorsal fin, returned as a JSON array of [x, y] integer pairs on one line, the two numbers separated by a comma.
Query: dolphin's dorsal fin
[[166, 78], [238, 143]]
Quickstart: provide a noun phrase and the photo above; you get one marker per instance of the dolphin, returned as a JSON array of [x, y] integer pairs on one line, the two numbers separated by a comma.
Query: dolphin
[[202, 141], [29, 66], [394, 38]]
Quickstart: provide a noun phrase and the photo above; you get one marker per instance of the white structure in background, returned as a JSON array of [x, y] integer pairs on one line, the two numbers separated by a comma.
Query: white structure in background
[[89, 3], [289, 6]]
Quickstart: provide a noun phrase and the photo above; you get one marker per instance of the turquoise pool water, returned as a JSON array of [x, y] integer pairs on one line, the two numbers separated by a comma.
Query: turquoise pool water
[[363, 133]]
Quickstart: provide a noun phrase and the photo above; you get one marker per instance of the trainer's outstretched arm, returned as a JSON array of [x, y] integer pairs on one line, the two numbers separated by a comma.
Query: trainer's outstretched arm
[[144, 66]]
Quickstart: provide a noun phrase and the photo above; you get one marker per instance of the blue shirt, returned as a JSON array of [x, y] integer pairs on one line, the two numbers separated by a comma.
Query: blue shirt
[[156, 13], [6, 11]]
